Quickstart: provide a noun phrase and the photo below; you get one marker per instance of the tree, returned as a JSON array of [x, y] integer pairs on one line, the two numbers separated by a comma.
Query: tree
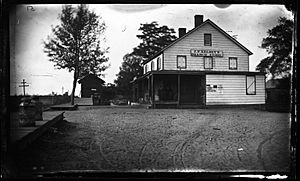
[[279, 45], [75, 43], [130, 68], [154, 38]]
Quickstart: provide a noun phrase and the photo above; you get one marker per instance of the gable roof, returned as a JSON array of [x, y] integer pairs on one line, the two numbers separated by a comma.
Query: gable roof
[[91, 76], [193, 30]]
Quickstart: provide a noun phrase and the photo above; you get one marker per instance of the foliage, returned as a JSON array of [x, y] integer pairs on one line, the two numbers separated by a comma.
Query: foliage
[[75, 43], [130, 68], [279, 45], [154, 38]]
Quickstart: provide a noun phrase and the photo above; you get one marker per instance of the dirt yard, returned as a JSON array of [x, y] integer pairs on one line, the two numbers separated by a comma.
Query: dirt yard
[[130, 139]]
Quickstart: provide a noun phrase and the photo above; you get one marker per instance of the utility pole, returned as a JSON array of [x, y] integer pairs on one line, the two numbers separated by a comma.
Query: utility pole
[[23, 84]]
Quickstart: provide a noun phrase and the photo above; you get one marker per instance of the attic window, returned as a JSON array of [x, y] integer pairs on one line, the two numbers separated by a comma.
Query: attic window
[[207, 39]]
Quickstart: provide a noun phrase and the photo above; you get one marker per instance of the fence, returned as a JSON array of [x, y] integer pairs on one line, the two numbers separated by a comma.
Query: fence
[[46, 100]]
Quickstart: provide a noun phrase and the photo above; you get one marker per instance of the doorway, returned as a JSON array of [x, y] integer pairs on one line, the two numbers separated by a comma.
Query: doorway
[[192, 89]]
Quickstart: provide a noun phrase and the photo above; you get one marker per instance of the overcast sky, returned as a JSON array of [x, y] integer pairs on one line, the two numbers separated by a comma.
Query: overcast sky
[[31, 26]]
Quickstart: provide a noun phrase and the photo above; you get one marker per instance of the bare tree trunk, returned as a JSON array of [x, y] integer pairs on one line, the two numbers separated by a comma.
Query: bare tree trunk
[[74, 87]]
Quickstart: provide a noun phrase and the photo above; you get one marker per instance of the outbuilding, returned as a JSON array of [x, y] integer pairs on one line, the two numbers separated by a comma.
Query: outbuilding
[[90, 84], [203, 67]]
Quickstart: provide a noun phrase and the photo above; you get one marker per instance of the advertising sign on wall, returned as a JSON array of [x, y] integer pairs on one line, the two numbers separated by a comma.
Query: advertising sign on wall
[[206, 53]]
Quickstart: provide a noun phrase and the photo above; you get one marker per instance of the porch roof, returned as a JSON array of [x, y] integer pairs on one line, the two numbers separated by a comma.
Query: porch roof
[[194, 72]]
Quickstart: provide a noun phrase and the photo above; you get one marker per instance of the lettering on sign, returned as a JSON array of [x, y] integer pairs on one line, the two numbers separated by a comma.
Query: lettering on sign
[[206, 53]]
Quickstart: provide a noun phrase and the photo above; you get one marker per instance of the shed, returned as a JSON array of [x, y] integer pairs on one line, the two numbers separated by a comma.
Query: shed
[[90, 84], [278, 95]]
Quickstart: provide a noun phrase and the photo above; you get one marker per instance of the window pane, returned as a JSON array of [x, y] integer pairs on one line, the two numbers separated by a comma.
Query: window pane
[[158, 63], [207, 39], [208, 62], [181, 61], [232, 63], [250, 85]]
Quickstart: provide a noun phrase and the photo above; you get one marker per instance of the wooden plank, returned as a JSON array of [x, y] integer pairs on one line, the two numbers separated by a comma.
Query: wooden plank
[[234, 91]]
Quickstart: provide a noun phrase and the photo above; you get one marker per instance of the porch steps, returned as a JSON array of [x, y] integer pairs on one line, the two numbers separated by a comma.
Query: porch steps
[[174, 106]]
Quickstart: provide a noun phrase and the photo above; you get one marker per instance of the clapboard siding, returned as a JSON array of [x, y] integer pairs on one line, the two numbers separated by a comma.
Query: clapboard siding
[[155, 64], [234, 90], [195, 40]]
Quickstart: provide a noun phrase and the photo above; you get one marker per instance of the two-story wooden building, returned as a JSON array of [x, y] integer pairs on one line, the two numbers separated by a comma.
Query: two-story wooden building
[[205, 66]]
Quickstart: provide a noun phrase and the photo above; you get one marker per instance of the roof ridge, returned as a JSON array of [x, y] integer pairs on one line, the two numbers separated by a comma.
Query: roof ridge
[[194, 29]]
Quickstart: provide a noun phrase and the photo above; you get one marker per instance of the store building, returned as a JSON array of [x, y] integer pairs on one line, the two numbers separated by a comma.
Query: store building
[[205, 66]]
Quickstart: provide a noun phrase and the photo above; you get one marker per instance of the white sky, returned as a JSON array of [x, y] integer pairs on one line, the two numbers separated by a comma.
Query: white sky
[[29, 28]]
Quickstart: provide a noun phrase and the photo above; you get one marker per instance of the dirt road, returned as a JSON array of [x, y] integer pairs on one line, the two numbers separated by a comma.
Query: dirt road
[[122, 139]]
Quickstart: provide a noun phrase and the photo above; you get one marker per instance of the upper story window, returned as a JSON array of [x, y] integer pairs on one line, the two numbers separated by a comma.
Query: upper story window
[[207, 39], [152, 65], [250, 85], [208, 62], [232, 63], [146, 68], [181, 61], [158, 63]]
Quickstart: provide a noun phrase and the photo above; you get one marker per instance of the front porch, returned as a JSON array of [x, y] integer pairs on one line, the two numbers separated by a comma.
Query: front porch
[[171, 90]]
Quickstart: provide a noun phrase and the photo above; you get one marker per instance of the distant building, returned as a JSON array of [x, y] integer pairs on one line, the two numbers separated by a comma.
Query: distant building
[[278, 95], [204, 66], [90, 84]]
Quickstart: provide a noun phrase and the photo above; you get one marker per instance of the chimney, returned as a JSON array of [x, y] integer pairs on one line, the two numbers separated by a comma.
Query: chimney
[[198, 20], [182, 31]]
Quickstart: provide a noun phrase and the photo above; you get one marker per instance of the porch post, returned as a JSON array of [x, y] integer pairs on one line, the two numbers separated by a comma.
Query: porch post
[[178, 90], [149, 91], [152, 90]]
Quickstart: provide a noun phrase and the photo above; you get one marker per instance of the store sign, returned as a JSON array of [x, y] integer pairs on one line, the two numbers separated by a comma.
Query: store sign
[[206, 53]]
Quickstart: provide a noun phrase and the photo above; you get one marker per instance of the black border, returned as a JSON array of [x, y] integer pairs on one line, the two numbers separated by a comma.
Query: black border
[[8, 5]]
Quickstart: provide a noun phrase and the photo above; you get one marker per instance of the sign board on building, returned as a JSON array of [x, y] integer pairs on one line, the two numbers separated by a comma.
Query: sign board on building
[[206, 53]]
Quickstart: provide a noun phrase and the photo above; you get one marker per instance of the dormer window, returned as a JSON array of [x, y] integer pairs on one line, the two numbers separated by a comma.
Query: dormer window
[[207, 39]]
